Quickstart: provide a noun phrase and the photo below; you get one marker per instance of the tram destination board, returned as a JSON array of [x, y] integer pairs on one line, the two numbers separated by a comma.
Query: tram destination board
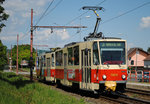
[[112, 44]]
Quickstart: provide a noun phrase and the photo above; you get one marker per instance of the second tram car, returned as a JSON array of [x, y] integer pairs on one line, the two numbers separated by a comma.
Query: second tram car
[[95, 65], [46, 66]]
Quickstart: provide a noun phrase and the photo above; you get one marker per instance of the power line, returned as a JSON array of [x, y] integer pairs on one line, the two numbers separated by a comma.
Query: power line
[[44, 12], [125, 13], [54, 7], [38, 20], [83, 13], [121, 14]]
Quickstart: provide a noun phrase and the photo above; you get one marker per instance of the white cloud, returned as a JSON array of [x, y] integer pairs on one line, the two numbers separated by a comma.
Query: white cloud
[[22, 7], [19, 17], [145, 22], [54, 39], [63, 34], [47, 35], [11, 37]]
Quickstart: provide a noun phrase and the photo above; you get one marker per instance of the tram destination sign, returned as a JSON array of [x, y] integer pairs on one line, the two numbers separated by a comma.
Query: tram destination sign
[[112, 44]]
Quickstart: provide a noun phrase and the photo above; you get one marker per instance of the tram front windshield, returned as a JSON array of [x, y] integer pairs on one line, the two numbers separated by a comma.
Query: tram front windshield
[[112, 53]]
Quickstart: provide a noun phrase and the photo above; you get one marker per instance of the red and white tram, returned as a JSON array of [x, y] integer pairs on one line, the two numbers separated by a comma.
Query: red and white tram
[[97, 64]]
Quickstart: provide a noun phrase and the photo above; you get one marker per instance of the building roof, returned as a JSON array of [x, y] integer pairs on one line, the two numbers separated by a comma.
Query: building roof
[[147, 58], [136, 48]]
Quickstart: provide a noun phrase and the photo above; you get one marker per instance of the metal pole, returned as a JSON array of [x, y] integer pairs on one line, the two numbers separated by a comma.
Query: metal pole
[[31, 46], [17, 55], [136, 58], [31, 41], [35, 60], [11, 59], [8, 58]]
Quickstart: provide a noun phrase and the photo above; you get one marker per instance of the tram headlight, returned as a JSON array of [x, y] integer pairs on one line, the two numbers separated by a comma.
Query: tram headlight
[[123, 77], [104, 77]]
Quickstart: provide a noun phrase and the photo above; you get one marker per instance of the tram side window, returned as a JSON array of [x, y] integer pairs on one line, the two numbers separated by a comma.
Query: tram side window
[[70, 56], [76, 55], [95, 54], [53, 64], [59, 58], [48, 62], [44, 61]]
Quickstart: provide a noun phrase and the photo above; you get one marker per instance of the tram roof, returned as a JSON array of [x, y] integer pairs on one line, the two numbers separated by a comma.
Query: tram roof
[[94, 39]]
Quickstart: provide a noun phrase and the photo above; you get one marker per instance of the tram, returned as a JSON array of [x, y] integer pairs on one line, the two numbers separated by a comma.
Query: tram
[[98, 64]]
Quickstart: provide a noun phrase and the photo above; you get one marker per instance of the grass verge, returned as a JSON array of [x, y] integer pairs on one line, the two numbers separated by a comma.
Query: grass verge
[[14, 89]]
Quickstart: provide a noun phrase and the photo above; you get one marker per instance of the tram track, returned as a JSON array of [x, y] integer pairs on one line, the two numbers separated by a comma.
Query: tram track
[[124, 99], [138, 91], [134, 100]]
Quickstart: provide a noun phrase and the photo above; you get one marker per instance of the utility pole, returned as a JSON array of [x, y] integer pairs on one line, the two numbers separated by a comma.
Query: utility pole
[[31, 48], [10, 60], [8, 57], [17, 55]]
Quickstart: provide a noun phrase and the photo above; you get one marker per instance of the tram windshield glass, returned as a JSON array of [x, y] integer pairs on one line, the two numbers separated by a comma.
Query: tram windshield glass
[[112, 53]]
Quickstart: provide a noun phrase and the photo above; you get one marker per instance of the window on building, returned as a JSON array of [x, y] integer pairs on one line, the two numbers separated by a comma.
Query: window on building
[[129, 58], [95, 54], [76, 55], [59, 58], [70, 56], [132, 62]]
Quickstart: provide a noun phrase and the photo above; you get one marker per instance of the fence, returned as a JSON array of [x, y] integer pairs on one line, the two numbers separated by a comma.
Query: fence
[[139, 76]]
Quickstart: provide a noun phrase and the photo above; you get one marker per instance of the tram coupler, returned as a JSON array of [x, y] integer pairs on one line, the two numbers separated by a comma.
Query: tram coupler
[[110, 85]]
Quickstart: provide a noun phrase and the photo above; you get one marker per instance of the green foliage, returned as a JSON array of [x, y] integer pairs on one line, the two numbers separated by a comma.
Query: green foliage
[[3, 15], [148, 50], [3, 58], [18, 90], [24, 53]]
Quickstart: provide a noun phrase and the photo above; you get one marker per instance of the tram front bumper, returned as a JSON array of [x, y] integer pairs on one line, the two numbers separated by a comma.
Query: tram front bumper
[[110, 85]]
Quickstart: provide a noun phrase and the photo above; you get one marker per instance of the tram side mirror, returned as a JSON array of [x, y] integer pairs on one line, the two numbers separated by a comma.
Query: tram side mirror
[[86, 51]]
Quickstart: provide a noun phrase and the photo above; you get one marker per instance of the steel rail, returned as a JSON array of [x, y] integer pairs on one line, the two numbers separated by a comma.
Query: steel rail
[[137, 100], [138, 91]]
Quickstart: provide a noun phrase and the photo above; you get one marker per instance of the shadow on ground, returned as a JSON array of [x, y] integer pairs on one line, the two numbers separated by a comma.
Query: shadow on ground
[[16, 80]]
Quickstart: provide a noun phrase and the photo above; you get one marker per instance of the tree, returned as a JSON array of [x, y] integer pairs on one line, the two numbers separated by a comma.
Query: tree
[[148, 50], [24, 53], [3, 57], [3, 15]]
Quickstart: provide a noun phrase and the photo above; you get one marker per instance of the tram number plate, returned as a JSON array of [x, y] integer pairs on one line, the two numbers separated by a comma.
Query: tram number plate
[[114, 75]]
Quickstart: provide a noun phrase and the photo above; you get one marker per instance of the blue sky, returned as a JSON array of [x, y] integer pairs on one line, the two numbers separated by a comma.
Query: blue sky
[[133, 27]]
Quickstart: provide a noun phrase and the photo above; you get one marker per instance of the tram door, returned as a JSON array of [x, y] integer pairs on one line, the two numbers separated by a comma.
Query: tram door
[[65, 68], [86, 68]]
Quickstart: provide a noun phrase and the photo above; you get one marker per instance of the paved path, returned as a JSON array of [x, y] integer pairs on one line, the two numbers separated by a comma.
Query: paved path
[[139, 84], [22, 73]]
